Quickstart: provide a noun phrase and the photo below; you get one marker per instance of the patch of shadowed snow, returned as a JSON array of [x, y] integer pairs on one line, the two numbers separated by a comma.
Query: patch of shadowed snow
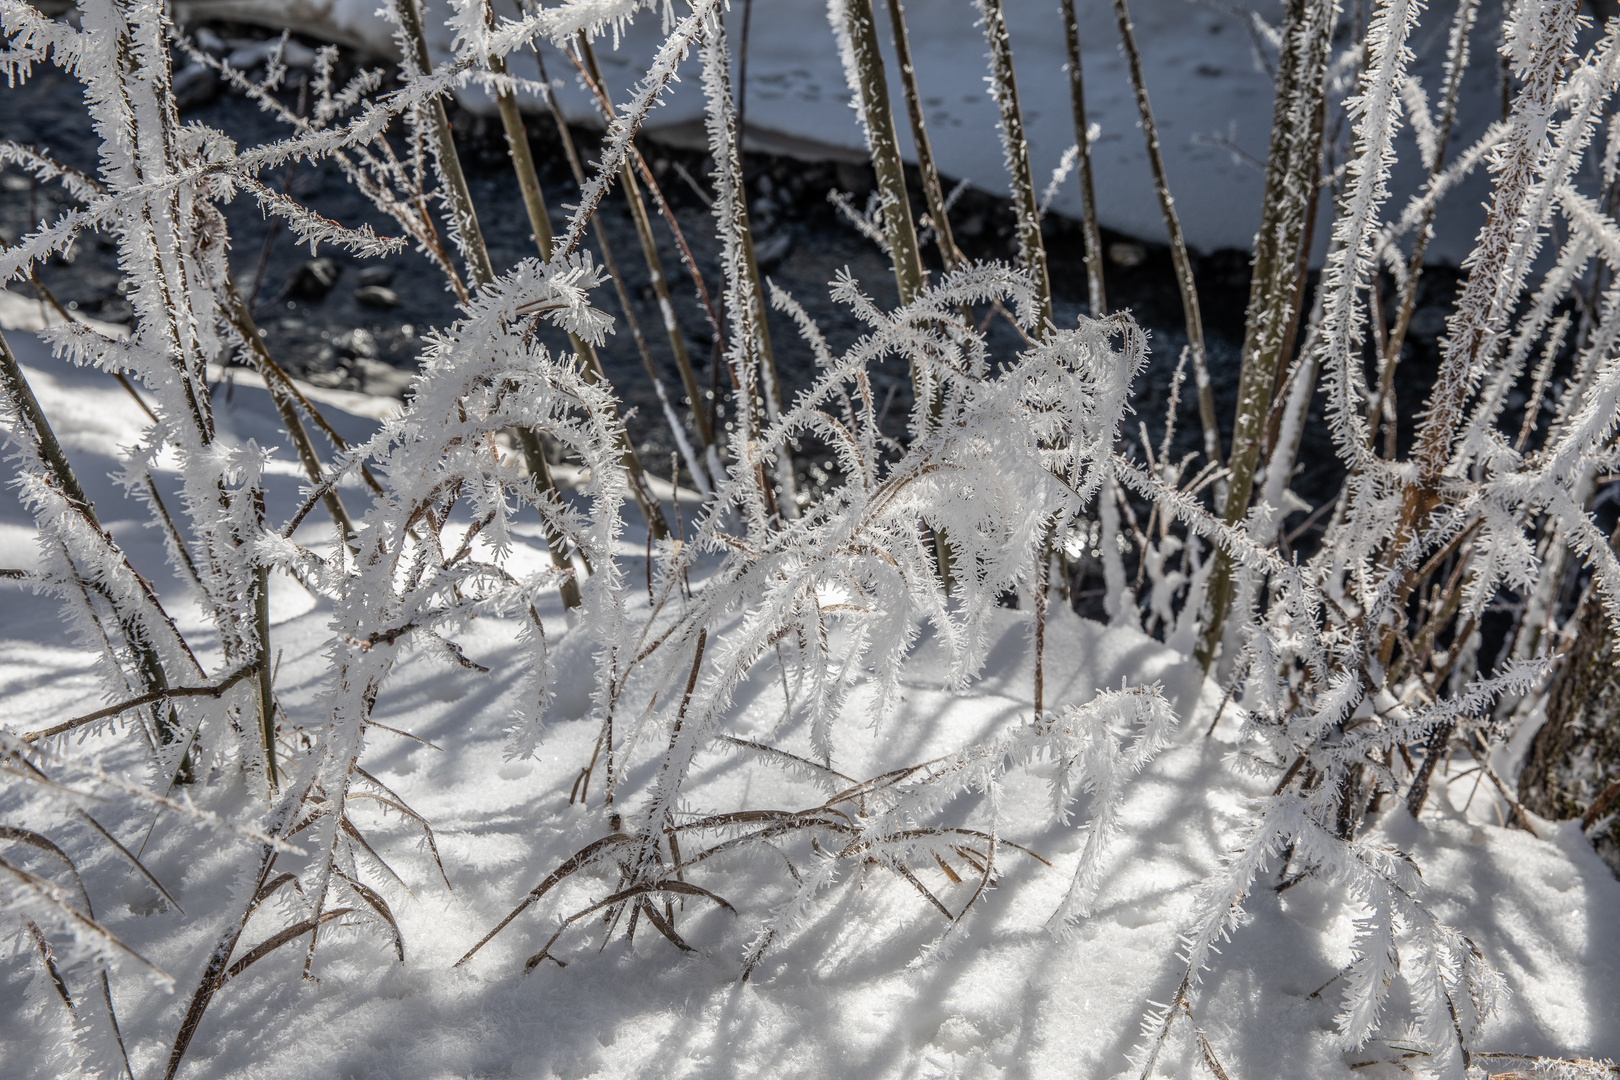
[[858, 991]]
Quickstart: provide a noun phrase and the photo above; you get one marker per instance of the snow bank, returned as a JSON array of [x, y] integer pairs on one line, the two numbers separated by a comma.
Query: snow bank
[[857, 995], [1206, 75]]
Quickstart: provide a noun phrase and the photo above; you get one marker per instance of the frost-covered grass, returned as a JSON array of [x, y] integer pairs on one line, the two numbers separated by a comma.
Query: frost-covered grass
[[397, 748]]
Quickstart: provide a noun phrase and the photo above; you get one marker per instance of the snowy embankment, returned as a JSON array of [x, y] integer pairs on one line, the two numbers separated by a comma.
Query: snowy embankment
[[1206, 67], [860, 991]]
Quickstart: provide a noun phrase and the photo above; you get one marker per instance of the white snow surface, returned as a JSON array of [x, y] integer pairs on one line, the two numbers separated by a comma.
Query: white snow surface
[[857, 993], [1206, 76]]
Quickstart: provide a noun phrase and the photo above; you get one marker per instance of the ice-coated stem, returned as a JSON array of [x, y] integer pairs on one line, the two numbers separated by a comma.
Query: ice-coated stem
[[933, 190], [1178, 245], [853, 21], [1483, 305], [261, 661], [1088, 194], [1004, 88], [1456, 64], [242, 318], [463, 215], [655, 270], [863, 69], [21, 395], [471, 238], [1291, 168], [14, 389]]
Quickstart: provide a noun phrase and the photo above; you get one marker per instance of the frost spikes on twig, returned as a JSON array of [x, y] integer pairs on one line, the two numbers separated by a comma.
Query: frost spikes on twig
[[1015, 151], [1082, 139], [666, 307], [933, 191], [863, 70], [1178, 245], [1456, 65], [744, 304], [242, 318], [463, 216], [1291, 170], [1539, 42], [467, 234], [18, 397]]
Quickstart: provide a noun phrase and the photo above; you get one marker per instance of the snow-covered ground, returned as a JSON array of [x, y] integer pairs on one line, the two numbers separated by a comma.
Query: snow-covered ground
[[1206, 73], [859, 992]]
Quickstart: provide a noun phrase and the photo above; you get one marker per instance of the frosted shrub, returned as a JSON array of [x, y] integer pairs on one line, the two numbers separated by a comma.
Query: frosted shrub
[[1350, 672]]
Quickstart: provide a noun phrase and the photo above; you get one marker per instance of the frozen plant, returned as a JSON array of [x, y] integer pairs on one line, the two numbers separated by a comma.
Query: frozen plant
[[1351, 670]]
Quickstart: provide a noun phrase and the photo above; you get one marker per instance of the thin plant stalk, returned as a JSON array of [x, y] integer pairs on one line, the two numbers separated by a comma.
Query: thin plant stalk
[[664, 209], [242, 317], [772, 396], [788, 505], [466, 217], [463, 215], [1291, 168], [14, 386], [611, 264], [655, 270], [741, 297], [774, 399], [933, 190], [1088, 192], [1178, 244], [694, 391], [751, 292], [266, 696], [471, 238], [864, 71], [1456, 64], [1473, 329], [540, 223], [872, 89], [534, 454], [1004, 86]]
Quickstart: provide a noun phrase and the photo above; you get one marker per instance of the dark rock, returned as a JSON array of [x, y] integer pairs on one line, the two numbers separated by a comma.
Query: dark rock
[[858, 180], [379, 297], [377, 275], [210, 42], [313, 280], [357, 342], [1427, 323], [194, 86], [378, 378], [770, 251], [1126, 254]]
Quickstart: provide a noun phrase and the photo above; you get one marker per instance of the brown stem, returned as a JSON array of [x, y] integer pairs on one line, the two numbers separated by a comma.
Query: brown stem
[[649, 250], [933, 191], [1291, 167], [1178, 245], [459, 197], [1082, 139], [261, 664], [242, 318], [1031, 250], [872, 86]]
